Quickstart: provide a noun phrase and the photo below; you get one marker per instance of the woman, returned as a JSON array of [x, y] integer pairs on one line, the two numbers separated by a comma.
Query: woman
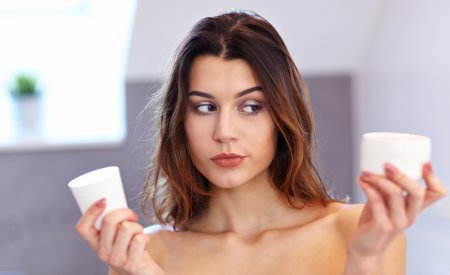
[[233, 184]]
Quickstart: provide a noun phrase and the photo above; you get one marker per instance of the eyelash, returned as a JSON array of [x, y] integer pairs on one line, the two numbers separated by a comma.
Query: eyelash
[[197, 108], [253, 106]]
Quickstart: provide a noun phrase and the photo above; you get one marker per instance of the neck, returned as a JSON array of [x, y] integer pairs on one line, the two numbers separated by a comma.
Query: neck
[[248, 210]]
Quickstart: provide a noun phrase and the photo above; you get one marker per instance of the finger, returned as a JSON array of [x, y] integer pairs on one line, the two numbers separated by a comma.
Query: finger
[[85, 226], [127, 231], [377, 205], [435, 188], [138, 248], [393, 195], [415, 192], [109, 228]]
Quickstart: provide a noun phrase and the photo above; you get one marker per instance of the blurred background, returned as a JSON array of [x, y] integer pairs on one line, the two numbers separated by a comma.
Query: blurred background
[[75, 76]]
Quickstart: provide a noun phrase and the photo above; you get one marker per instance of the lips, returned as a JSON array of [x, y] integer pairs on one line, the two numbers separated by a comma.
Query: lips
[[228, 159]]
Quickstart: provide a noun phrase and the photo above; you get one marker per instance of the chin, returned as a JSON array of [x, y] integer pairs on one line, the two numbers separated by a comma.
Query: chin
[[226, 183]]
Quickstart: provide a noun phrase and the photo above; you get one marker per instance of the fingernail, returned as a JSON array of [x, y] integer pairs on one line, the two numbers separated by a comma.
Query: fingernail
[[390, 169], [366, 176], [101, 203]]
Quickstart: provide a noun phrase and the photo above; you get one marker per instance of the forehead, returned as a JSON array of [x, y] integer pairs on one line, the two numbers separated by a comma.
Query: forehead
[[210, 73]]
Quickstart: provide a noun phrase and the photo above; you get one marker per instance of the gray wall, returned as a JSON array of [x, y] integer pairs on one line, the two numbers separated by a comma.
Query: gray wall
[[331, 99], [38, 213]]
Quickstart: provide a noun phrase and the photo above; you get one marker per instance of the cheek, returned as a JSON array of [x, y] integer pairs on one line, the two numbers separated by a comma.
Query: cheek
[[263, 136], [190, 127], [196, 133]]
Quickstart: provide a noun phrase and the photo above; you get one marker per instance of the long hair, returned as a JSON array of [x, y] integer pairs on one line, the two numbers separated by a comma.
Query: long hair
[[177, 190]]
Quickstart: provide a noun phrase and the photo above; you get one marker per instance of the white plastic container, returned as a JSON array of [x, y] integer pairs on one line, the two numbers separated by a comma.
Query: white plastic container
[[102, 183], [408, 152]]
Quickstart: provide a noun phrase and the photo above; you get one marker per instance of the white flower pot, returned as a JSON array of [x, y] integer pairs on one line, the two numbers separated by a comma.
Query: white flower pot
[[28, 116]]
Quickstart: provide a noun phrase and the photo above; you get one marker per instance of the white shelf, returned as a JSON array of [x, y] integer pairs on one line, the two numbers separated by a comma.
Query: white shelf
[[42, 145]]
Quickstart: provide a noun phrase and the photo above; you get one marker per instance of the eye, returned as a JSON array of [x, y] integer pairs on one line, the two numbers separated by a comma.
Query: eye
[[250, 108], [204, 108]]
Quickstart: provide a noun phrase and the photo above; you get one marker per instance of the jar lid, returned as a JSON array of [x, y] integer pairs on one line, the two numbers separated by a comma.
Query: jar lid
[[396, 144]]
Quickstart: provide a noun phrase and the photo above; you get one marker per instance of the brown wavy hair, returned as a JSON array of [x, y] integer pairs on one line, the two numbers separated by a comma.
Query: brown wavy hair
[[177, 190]]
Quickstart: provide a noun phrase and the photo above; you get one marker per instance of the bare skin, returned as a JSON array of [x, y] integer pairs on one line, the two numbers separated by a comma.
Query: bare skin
[[248, 228], [317, 244], [274, 251]]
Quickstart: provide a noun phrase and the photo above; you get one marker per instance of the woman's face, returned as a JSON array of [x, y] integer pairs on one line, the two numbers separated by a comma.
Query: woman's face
[[231, 135]]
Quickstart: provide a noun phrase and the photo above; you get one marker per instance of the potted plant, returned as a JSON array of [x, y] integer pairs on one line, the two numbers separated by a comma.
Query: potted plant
[[24, 86], [25, 93]]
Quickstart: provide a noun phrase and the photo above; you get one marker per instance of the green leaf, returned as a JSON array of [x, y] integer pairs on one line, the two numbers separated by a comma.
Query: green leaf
[[24, 85]]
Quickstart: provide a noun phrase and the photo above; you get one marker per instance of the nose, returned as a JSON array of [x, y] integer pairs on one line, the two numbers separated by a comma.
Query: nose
[[224, 131]]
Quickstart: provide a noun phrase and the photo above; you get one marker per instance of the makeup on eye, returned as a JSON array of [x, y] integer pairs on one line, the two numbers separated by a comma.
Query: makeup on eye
[[203, 108], [250, 107], [247, 107], [250, 101]]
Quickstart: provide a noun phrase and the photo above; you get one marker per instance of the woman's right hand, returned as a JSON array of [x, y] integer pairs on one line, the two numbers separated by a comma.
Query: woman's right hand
[[120, 242]]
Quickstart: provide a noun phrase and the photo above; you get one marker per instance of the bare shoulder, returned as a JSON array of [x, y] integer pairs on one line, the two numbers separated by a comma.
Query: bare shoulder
[[348, 212], [347, 218], [160, 239], [157, 229]]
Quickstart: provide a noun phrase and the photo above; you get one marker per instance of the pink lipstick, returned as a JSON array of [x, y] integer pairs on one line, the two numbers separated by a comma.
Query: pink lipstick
[[228, 159]]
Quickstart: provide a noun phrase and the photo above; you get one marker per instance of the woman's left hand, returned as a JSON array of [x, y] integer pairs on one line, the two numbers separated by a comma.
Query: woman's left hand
[[393, 203]]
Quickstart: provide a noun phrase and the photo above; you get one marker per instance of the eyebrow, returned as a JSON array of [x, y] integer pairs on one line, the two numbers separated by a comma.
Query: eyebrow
[[240, 94]]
